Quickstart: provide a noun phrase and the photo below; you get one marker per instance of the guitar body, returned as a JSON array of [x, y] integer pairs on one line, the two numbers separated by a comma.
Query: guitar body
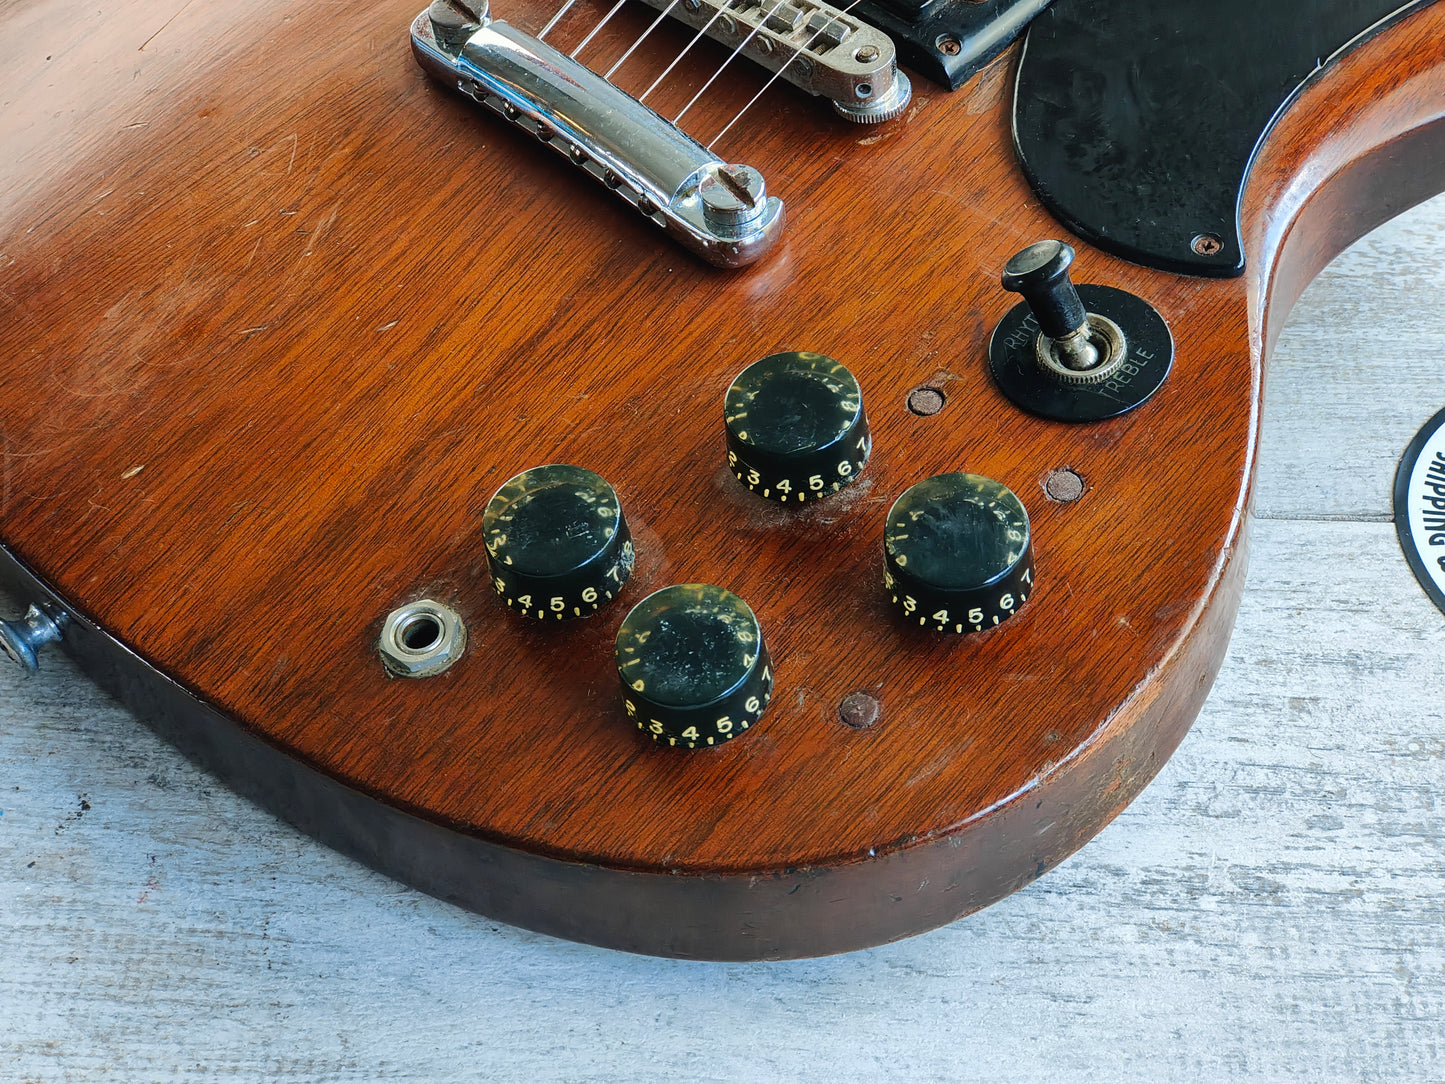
[[279, 314]]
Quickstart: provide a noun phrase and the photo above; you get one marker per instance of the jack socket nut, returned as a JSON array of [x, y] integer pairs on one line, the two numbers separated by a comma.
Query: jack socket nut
[[421, 638]]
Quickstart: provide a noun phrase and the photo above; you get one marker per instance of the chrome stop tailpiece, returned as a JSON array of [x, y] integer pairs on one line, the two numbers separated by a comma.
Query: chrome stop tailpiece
[[719, 210]]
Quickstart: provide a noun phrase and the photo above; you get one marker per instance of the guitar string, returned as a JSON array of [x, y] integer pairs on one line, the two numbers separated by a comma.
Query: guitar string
[[740, 47], [643, 37], [556, 18], [762, 90], [702, 31], [615, 9]]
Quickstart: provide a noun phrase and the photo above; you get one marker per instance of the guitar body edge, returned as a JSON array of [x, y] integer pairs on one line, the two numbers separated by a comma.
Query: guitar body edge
[[766, 916], [514, 784]]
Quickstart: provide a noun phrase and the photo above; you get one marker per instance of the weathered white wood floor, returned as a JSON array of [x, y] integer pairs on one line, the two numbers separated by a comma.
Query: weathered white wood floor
[[1271, 908]]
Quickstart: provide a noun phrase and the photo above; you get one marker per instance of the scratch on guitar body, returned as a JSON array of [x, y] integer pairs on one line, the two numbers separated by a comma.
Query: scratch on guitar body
[[7, 475], [163, 25], [323, 225], [1011, 228]]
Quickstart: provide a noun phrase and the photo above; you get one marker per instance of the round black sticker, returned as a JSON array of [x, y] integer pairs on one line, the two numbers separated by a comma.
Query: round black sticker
[[1420, 507]]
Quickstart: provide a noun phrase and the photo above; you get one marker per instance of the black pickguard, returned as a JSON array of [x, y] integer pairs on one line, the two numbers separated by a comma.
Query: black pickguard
[[1136, 120], [948, 40]]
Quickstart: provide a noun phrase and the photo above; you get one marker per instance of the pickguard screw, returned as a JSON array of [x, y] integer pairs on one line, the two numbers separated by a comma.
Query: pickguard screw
[[948, 45], [1206, 244]]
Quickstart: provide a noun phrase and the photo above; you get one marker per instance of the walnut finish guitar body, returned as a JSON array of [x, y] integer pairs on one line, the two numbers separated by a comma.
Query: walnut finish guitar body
[[279, 314]]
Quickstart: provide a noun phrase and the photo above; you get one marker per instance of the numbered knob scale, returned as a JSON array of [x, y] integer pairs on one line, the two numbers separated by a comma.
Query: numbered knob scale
[[957, 553], [796, 429], [694, 669], [557, 542]]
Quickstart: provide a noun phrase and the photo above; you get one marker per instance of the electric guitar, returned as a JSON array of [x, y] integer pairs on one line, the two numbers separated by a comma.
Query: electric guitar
[[282, 313]]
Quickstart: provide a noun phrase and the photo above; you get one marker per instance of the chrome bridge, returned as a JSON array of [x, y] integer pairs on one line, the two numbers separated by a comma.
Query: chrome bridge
[[720, 211]]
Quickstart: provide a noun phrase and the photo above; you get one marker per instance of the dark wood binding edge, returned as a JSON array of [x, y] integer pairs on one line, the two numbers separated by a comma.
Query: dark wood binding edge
[[805, 912]]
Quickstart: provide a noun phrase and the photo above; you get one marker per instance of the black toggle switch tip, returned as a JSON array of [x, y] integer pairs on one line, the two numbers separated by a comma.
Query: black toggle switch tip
[[1041, 274]]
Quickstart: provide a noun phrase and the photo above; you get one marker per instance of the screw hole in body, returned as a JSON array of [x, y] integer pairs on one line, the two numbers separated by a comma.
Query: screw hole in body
[[1064, 485], [859, 711], [420, 633], [926, 401]]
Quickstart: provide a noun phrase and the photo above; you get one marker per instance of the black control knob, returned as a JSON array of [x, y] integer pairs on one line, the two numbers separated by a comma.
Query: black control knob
[[694, 669], [557, 542], [796, 430], [957, 553]]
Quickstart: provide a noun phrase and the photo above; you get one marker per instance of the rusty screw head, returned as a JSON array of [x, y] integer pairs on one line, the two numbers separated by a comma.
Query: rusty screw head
[[733, 197], [948, 45], [1206, 244]]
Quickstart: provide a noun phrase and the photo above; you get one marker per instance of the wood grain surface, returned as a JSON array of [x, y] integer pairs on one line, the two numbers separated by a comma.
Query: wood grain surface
[[1270, 909], [271, 413]]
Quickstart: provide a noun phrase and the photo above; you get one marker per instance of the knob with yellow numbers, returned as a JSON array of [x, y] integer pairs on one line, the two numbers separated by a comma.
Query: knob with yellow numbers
[[694, 669], [957, 553], [557, 542], [796, 429]]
